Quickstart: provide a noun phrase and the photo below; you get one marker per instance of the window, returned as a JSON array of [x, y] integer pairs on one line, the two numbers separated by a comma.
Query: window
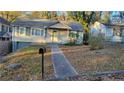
[[28, 31], [10, 29], [5, 28], [42, 32], [17, 30], [22, 30], [37, 32], [3, 39], [2, 27], [33, 31], [7, 39]]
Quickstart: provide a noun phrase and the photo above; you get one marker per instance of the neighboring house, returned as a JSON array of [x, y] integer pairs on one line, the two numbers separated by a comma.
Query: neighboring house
[[5, 36], [118, 32], [112, 32], [97, 28], [26, 32]]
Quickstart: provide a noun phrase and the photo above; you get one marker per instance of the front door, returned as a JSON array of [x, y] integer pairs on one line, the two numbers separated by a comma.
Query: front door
[[54, 37]]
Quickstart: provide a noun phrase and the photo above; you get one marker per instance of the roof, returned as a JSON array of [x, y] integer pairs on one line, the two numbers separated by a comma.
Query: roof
[[34, 23], [60, 26], [75, 26], [45, 23], [110, 24], [3, 21]]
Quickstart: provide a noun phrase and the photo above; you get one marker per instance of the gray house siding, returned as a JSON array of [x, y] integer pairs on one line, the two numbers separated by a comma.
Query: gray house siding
[[20, 45]]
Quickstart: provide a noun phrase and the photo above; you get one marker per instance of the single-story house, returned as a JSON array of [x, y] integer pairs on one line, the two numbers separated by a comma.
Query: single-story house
[[112, 32], [26, 32], [117, 32]]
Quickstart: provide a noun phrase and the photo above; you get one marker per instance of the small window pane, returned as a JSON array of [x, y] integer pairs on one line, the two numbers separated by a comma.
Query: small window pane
[[17, 30], [42, 32], [10, 29], [33, 31], [22, 30], [2, 27], [28, 31], [37, 32]]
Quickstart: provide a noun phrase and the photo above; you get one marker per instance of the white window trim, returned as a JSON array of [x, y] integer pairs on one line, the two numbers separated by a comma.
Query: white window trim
[[33, 29], [24, 34], [36, 31], [42, 31]]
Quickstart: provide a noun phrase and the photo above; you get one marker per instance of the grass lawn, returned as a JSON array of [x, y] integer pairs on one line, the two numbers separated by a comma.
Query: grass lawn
[[87, 61], [31, 66]]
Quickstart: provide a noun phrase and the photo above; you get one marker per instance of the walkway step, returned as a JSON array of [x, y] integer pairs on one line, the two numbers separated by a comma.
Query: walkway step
[[62, 67]]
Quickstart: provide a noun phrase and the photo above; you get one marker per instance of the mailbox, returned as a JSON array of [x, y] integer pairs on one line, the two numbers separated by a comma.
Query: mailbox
[[42, 50]]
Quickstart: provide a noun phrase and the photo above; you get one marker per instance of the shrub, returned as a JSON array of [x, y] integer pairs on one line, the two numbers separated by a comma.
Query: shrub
[[96, 42]]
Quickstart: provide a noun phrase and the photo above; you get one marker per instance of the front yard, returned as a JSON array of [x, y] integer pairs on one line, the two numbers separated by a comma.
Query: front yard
[[30, 69], [87, 61]]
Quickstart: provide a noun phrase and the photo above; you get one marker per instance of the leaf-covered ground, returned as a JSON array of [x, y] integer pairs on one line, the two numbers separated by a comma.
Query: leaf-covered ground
[[87, 61], [31, 65]]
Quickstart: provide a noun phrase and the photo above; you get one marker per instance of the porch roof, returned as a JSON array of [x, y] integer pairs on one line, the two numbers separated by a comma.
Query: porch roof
[[76, 26], [60, 26]]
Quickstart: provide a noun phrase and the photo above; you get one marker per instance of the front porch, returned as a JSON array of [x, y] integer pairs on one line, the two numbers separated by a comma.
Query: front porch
[[58, 33]]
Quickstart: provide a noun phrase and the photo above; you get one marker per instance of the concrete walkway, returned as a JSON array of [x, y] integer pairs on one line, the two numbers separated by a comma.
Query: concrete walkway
[[62, 67]]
